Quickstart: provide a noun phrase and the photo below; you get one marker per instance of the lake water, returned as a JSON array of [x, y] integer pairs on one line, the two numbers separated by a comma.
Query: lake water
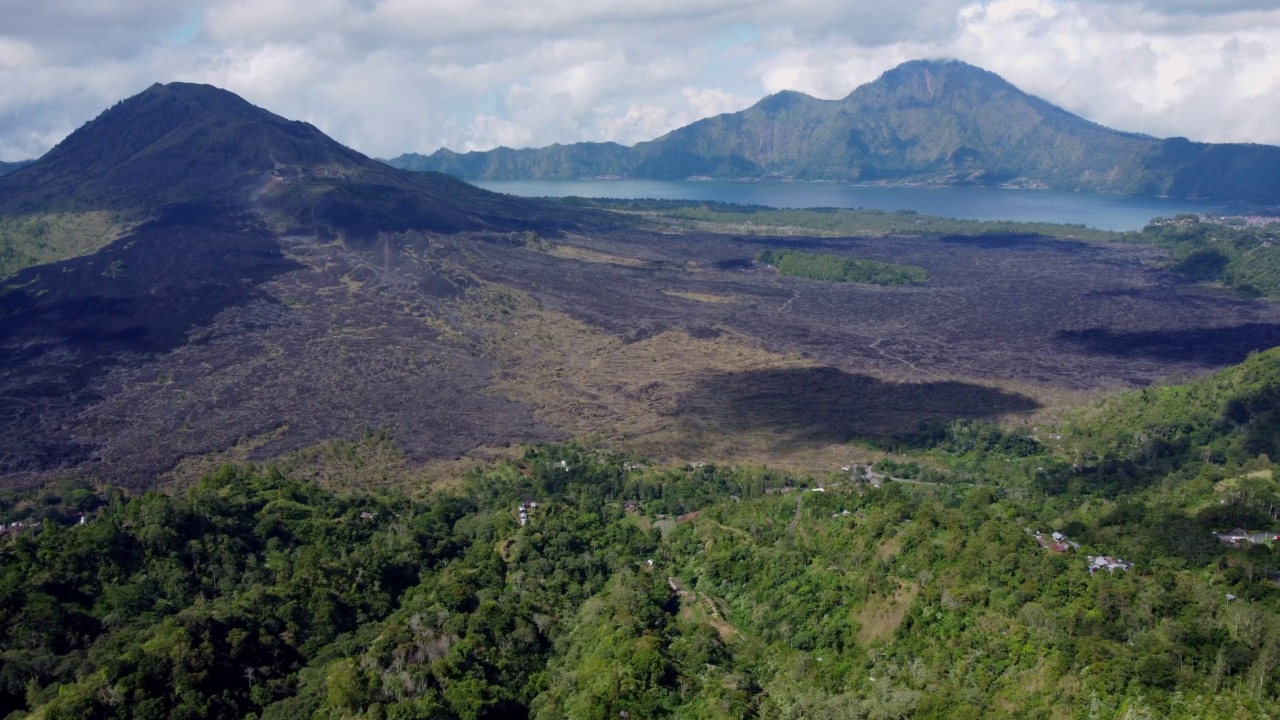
[[1105, 212]]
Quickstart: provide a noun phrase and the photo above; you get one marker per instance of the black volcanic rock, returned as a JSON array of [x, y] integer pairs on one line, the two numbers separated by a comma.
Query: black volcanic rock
[[183, 142], [171, 143], [932, 121], [287, 276]]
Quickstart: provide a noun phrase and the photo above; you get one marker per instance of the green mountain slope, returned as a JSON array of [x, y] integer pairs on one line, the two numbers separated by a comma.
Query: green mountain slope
[[1188, 447], [8, 167], [557, 161], [1229, 418], [1240, 256], [941, 122]]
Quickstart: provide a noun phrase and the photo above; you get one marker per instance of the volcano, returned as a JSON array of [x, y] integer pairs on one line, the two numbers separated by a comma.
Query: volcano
[[191, 280]]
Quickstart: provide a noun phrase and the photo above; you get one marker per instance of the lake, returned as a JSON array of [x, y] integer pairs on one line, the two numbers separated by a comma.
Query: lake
[[1105, 212]]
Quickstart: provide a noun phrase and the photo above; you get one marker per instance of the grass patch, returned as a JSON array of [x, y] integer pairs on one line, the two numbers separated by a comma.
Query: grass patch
[[881, 616], [27, 240], [593, 256], [836, 269], [703, 297], [592, 384], [368, 461], [678, 398]]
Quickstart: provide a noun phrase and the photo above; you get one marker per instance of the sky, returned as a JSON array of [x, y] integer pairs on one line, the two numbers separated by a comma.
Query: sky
[[394, 76]]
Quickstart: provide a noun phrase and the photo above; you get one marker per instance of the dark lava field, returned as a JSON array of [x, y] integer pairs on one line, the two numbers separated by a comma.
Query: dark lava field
[[1049, 312], [204, 330]]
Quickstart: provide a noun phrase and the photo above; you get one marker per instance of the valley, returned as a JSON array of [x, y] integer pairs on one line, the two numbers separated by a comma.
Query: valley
[[286, 432], [677, 345]]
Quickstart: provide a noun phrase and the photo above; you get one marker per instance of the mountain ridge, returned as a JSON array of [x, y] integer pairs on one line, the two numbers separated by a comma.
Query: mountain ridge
[[184, 142], [8, 167], [940, 122]]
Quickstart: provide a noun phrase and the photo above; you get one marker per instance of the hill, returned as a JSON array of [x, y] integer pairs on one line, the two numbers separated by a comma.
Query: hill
[[183, 142], [186, 143], [939, 122], [1239, 254]]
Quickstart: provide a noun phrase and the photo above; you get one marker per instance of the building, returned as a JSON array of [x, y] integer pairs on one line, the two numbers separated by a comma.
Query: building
[[1108, 563]]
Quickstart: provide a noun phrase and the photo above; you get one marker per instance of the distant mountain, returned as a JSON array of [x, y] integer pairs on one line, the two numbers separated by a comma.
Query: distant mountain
[[926, 121], [8, 167]]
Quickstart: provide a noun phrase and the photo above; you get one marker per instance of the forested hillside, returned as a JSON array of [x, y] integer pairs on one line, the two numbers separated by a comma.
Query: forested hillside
[[8, 167], [1239, 256], [576, 584]]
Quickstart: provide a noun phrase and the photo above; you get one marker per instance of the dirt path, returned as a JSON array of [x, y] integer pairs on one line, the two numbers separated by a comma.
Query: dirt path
[[795, 521], [717, 621], [889, 356], [787, 304]]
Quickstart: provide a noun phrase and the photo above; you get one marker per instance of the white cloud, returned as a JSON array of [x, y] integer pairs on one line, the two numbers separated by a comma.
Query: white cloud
[[389, 76], [1208, 84]]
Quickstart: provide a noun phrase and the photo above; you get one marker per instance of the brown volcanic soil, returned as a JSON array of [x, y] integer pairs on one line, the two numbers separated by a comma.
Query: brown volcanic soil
[[204, 329]]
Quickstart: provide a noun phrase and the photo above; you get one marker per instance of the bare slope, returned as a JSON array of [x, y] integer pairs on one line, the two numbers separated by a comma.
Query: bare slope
[[183, 142]]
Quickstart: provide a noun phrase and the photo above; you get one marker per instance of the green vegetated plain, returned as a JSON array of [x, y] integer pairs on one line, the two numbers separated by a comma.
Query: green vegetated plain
[[833, 268], [834, 222], [707, 592]]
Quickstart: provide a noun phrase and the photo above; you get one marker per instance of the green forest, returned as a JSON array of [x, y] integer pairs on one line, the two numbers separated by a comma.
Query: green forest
[[575, 583], [836, 269]]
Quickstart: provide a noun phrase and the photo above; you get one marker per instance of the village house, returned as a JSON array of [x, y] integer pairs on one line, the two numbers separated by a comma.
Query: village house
[[1054, 542], [524, 508], [15, 527], [1108, 563]]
